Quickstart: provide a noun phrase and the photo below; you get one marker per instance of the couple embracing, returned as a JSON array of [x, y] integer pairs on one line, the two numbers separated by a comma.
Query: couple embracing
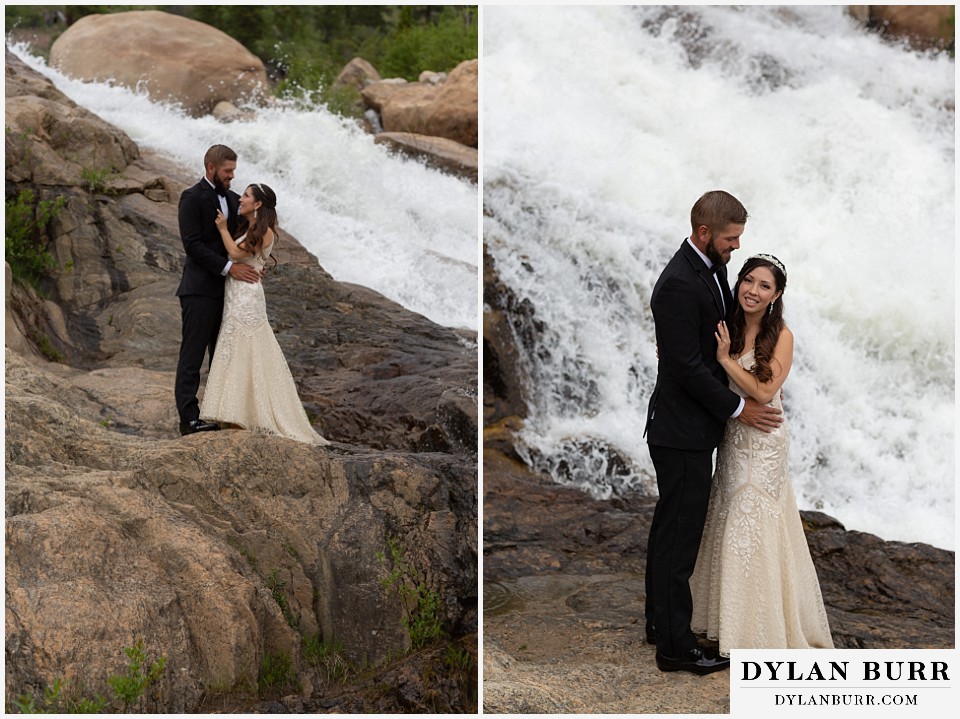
[[228, 239], [726, 558]]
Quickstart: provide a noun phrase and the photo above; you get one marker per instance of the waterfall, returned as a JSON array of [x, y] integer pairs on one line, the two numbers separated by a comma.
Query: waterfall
[[370, 217], [603, 125]]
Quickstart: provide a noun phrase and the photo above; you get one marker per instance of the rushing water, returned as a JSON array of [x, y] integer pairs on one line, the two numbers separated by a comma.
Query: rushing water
[[370, 217], [602, 125]]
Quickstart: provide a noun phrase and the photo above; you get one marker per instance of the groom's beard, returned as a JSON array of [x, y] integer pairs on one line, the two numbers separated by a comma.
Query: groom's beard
[[219, 185], [713, 254]]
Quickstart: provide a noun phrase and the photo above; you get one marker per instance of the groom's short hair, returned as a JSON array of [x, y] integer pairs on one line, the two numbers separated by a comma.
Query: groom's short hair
[[218, 154], [717, 209]]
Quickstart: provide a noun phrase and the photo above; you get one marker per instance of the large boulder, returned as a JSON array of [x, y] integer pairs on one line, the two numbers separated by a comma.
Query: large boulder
[[438, 152], [376, 94], [174, 58], [456, 113], [923, 26], [358, 73], [448, 109]]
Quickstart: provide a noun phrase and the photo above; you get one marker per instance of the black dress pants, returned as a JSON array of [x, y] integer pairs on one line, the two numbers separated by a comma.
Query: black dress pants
[[200, 318], [683, 480]]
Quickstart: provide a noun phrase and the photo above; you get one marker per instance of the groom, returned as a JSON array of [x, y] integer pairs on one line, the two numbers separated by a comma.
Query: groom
[[204, 271], [688, 411]]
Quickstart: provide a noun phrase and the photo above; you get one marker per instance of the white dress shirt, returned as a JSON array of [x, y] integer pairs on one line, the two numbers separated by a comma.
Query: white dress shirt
[[225, 208]]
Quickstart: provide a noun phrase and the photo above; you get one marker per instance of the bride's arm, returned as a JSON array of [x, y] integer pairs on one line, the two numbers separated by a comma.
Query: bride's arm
[[780, 365], [233, 250]]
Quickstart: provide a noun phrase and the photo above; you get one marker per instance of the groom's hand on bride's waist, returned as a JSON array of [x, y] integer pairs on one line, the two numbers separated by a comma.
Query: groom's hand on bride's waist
[[244, 273], [760, 416]]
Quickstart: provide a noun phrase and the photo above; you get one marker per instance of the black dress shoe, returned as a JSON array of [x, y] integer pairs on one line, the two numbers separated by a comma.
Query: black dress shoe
[[198, 425], [699, 661], [651, 633]]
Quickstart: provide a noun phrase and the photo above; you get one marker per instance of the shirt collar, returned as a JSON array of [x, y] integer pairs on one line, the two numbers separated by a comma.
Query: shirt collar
[[703, 257]]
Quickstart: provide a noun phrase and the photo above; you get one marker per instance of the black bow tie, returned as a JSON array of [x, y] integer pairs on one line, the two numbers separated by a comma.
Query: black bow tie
[[220, 191], [716, 268]]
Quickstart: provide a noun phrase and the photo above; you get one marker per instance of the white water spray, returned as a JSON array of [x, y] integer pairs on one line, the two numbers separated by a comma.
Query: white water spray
[[370, 217], [602, 126]]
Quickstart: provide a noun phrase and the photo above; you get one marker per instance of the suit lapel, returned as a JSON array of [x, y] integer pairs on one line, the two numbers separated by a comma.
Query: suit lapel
[[211, 194], [705, 275]]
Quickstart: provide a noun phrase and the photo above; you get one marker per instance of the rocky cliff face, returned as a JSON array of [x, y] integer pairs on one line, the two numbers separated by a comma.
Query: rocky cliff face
[[222, 549]]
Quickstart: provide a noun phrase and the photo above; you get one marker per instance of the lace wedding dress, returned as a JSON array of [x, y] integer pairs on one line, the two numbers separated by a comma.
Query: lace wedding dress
[[754, 585], [249, 383]]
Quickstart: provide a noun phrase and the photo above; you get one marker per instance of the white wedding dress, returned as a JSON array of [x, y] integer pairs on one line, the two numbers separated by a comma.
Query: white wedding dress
[[754, 585], [249, 383]]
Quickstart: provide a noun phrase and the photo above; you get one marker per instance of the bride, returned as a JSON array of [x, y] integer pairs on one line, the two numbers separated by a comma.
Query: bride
[[754, 585], [249, 383]]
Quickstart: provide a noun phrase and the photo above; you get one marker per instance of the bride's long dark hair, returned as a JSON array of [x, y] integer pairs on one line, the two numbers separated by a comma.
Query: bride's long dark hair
[[771, 322], [266, 218]]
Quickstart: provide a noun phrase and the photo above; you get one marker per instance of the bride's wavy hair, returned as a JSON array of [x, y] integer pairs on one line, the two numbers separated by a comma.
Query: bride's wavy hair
[[771, 322], [266, 219]]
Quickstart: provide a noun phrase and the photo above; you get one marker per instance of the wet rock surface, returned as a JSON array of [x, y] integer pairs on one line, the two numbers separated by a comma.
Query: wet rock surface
[[564, 593]]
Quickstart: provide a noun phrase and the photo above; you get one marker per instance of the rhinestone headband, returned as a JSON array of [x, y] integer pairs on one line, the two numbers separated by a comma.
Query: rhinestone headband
[[773, 260], [260, 187]]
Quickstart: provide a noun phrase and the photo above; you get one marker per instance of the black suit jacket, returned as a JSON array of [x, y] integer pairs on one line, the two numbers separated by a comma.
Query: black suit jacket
[[691, 401], [206, 255]]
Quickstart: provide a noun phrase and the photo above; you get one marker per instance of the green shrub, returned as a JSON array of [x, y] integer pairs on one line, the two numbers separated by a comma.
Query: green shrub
[[439, 45], [277, 673], [421, 605], [458, 658], [328, 656], [128, 690], [26, 221], [45, 345], [276, 585], [97, 179]]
